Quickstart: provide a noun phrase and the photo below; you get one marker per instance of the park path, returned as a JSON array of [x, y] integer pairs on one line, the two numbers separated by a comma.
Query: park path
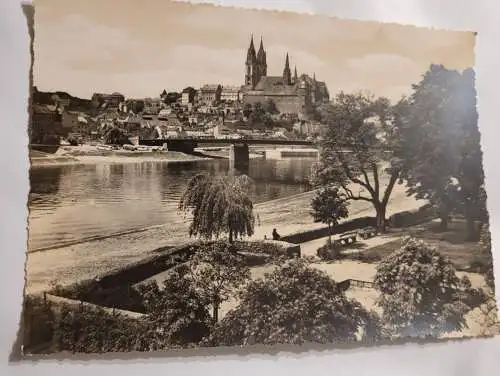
[[310, 248]]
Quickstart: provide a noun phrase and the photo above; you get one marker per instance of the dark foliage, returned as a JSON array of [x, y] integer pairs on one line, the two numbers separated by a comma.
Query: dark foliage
[[329, 206], [421, 295], [178, 310], [91, 330], [116, 136], [357, 151], [439, 146], [295, 304], [219, 205]]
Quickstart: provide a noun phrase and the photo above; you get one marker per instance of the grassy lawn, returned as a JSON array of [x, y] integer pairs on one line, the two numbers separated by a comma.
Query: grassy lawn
[[451, 243]]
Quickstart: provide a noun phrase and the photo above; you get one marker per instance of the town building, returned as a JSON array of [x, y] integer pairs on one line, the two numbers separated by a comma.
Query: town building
[[46, 122], [210, 94], [231, 94], [188, 96], [290, 93]]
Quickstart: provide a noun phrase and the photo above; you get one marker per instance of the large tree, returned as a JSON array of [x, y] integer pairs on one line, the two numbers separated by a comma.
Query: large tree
[[219, 205], [420, 293], [439, 145], [217, 272], [177, 311], [295, 304], [329, 206], [357, 150]]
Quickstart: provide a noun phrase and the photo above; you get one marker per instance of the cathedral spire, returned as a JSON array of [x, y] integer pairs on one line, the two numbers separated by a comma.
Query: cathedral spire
[[261, 55], [251, 56], [287, 74], [295, 75]]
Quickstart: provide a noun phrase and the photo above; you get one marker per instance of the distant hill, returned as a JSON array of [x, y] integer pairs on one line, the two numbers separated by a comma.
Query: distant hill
[[73, 103]]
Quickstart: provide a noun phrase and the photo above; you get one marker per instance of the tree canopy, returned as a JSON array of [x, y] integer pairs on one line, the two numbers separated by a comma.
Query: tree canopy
[[177, 311], [116, 136], [217, 273], [219, 205], [439, 144], [357, 150], [420, 293], [329, 206], [295, 304]]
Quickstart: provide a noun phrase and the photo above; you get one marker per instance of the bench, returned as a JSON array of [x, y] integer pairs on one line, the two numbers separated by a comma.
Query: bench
[[367, 232], [348, 237]]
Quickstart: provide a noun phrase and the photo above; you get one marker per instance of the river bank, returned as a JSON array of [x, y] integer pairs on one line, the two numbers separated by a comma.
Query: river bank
[[89, 154], [95, 156], [74, 262]]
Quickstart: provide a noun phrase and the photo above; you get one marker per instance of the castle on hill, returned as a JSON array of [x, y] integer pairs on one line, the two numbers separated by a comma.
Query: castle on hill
[[290, 93]]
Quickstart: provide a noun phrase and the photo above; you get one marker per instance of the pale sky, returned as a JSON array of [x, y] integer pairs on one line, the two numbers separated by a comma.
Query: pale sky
[[140, 47]]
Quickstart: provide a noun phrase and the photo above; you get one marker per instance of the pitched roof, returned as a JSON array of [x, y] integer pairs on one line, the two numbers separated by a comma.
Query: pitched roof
[[274, 84]]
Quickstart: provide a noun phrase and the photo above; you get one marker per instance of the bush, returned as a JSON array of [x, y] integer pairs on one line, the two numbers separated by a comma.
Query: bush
[[38, 323], [177, 310], [295, 304], [420, 293], [329, 251], [93, 330]]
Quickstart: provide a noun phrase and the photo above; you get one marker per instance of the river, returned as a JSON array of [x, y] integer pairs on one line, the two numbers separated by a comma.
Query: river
[[76, 202]]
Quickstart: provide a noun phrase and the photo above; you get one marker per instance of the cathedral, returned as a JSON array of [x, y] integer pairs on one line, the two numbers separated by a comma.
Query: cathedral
[[291, 93]]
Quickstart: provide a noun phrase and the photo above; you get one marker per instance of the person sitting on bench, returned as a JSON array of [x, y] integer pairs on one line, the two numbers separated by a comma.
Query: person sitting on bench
[[276, 236]]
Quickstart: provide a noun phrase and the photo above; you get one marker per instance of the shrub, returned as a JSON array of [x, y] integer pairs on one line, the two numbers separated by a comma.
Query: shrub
[[178, 310], [38, 322], [329, 251], [294, 304], [420, 293], [93, 330]]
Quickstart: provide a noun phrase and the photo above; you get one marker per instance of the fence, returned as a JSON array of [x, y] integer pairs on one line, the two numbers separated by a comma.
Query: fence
[[348, 283]]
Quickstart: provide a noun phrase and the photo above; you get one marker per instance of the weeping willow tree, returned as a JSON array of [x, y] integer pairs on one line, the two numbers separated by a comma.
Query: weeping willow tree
[[219, 205]]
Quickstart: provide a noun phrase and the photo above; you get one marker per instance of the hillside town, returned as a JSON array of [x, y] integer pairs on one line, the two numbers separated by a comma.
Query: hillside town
[[280, 107], [267, 212]]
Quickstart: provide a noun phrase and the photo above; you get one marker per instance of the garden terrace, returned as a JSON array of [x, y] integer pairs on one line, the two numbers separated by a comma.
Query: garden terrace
[[115, 289]]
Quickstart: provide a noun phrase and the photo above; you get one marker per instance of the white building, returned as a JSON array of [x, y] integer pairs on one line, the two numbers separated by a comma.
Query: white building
[[231, 93]]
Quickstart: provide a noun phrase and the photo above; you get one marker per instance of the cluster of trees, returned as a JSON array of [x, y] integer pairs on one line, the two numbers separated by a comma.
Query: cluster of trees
[[296, 303], [260, 113], [428, 141], [116, 136]]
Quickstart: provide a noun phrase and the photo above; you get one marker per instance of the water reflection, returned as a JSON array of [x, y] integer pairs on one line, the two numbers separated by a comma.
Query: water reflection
[[74, 202]]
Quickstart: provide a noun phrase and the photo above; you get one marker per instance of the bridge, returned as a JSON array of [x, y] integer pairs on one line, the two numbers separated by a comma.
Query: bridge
[[224, 141], [239, 156]]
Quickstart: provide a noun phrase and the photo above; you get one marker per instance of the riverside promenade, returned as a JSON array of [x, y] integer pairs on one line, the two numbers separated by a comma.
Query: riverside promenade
[[69, 264]]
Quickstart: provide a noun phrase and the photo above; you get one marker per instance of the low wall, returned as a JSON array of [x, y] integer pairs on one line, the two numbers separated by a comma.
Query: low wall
[[113, 288], [355, 224], [288, 249], [57, 302], [161, 259], [413, 217]]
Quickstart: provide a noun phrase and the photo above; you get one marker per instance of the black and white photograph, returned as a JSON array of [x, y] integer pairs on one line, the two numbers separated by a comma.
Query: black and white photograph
[[216, 177]]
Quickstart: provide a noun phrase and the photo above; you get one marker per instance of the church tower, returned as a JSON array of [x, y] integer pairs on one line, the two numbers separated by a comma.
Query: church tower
[[261, 60], [295, 76], [287, 74], [251, 68]]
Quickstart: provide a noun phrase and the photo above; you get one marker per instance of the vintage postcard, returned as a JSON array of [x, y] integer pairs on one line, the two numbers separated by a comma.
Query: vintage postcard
[[207, 177]]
